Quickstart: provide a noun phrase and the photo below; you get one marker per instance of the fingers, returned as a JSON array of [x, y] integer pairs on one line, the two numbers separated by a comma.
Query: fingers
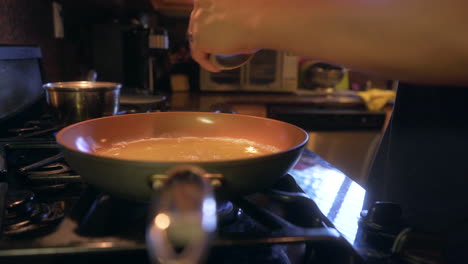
[[203, 59], [200, 56]]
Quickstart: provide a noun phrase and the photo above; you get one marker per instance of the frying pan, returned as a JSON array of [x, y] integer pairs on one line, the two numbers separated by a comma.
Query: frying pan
[[183, 194], [129, 178]]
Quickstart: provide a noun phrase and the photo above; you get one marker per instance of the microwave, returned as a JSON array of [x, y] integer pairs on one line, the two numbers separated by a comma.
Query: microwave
[[267, 71]]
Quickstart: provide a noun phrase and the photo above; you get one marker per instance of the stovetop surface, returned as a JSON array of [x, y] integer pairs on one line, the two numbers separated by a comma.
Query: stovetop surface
[[50, 211], [312, 215]]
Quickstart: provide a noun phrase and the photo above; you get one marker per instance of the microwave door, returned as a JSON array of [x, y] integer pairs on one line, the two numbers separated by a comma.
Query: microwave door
[[263, 71], [228, 80], [267, 71]]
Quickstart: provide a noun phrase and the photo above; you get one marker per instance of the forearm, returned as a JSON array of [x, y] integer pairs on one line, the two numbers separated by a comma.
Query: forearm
[[417, 40]]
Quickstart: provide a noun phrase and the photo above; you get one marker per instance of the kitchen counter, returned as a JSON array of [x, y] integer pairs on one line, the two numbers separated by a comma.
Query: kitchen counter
[[263, 104], [206, 101]]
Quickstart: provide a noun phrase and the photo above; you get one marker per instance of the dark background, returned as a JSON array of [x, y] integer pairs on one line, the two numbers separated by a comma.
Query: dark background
[[25, 22]]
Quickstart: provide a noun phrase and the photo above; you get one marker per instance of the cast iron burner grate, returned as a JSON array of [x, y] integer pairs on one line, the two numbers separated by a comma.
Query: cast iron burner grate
[[36, 190], [27, 215], [259, 228], [38, 164], [44, 128]]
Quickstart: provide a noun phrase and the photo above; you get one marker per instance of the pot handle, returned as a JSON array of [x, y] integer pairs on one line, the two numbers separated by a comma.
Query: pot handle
[[183, 215]]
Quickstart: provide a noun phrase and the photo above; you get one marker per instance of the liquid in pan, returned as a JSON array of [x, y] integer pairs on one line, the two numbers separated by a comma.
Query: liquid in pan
[[187, 149]]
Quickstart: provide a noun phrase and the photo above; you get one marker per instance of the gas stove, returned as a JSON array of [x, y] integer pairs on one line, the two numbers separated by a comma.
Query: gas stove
[[312, 215], [48, 213]]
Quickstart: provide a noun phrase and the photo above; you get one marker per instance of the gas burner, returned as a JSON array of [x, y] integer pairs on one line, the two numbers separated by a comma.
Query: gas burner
[[26, 215], [19, 203], [227, 212]]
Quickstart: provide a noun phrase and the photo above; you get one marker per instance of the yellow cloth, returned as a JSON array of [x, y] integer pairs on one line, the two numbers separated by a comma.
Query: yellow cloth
[[376, 99]]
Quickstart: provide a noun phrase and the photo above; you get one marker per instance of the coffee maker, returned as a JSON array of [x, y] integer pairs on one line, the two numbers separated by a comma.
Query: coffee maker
[[134, 55]]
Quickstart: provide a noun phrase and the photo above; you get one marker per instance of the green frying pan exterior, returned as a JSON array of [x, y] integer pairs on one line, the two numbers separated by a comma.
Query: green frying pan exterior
[[130, 178]]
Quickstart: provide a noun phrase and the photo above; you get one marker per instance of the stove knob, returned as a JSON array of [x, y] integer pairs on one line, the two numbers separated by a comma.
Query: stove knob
[[384, 216], [379, 227], [19, 203]]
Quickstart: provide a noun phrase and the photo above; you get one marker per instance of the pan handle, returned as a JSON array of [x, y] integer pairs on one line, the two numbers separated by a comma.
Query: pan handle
[[183, 215]]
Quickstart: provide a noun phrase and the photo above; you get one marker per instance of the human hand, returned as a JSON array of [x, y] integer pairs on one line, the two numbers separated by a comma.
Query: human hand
[[222, 27]]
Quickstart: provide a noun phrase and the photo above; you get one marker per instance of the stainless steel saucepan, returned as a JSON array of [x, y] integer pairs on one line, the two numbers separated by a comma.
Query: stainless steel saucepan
[[73, 102]]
